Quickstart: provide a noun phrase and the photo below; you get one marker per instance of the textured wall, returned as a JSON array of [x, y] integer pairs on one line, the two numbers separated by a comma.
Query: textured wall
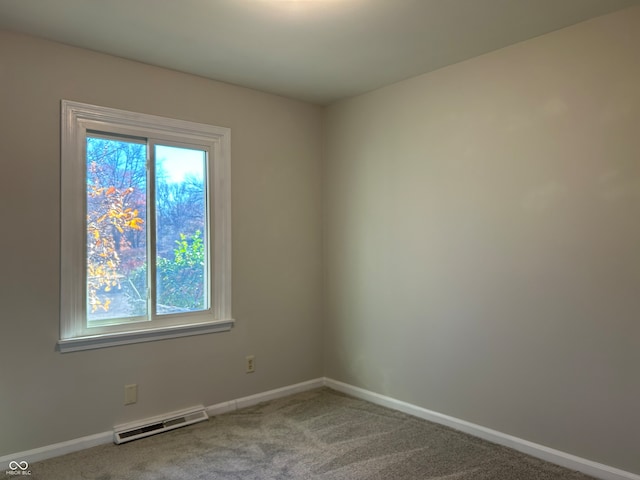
[[48, 397], [482, 226]]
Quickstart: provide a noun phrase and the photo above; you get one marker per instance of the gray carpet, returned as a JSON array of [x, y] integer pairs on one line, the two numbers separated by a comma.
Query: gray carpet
[[316, 435]]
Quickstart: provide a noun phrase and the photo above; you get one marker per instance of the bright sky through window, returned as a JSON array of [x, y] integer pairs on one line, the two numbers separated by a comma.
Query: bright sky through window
[[180, 163]]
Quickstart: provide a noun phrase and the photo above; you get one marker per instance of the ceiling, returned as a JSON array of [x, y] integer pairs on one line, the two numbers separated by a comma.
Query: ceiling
[[317, 51]]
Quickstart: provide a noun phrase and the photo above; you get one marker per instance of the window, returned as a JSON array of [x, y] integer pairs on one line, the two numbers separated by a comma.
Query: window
[[145, 237]]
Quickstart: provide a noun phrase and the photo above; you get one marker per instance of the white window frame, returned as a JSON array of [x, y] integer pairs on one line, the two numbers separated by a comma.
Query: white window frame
[[76, 120]]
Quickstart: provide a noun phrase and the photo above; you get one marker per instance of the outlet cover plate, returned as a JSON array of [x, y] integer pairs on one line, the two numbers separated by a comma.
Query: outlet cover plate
[[130, 394]]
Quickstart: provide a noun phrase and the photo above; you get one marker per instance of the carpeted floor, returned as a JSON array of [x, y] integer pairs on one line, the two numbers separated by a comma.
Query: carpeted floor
[[315, 435]]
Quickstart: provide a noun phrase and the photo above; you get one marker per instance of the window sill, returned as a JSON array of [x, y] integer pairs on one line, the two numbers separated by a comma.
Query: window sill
[[139, 336]]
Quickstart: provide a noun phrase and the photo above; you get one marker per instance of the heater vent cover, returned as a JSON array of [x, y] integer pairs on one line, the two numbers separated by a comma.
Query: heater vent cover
[[151, 426]]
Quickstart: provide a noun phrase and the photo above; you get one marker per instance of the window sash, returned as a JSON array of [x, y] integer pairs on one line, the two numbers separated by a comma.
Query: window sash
[[79, 119], [153, 228], [111, 322]]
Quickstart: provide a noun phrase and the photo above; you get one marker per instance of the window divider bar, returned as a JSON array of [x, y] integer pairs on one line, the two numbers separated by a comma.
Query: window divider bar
[[152, 253]]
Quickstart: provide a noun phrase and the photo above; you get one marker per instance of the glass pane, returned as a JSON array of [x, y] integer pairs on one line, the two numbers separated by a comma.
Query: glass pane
[[181, 230], [116, 236]]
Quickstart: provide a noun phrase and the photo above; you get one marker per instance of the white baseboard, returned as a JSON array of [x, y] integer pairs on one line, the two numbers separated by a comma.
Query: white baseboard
[[62, 448], [251, 400], [567, 460], [551, 455], [57, 449]]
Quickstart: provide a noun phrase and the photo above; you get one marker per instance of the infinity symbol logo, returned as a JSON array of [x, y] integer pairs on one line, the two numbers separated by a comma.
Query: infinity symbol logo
[[13, 465]]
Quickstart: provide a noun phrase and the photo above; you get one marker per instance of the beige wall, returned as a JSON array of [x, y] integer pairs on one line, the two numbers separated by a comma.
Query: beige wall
[[482, 235], [480, 243], [48, 397]]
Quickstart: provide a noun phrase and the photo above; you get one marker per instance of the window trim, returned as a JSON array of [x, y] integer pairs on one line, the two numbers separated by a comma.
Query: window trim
[[76, 119]]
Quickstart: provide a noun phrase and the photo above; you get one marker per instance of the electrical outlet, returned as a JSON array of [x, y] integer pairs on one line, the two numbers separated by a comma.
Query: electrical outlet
[[130, 394], [251, 363]]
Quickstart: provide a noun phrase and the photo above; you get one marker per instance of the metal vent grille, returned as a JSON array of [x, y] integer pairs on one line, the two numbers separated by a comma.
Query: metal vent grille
[[133, 431]]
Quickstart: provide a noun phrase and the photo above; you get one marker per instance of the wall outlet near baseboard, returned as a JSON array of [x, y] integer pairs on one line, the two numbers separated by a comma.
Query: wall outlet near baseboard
[[250, 363], [130, 394]]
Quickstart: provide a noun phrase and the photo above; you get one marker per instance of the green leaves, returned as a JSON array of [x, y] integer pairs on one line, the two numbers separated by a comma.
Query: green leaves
[[180, 280], [190, 250]]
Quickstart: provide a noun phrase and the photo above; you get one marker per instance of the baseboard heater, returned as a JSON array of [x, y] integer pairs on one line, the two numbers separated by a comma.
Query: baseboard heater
[[163, 423]]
